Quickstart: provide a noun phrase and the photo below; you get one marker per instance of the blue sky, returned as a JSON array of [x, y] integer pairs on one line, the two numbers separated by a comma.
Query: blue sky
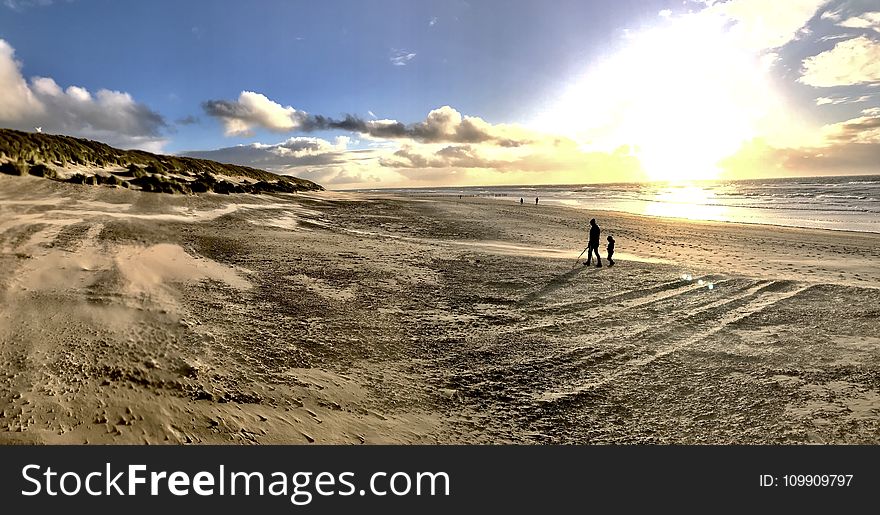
[[542, 74]]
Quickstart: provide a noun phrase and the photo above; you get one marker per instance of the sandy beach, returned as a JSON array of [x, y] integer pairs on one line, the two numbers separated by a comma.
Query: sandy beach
[[132, 317]]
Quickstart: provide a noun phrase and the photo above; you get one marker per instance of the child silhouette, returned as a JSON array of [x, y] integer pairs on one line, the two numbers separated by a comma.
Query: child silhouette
[[610, 251]]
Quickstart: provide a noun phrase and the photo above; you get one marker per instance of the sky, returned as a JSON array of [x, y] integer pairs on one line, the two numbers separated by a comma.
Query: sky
[[447, 93]]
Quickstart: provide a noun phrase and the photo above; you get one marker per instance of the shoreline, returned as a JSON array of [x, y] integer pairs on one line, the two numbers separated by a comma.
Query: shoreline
[[549, 198], [641, 216]]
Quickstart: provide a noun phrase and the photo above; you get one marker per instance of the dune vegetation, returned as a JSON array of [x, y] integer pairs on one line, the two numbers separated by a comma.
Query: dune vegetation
[[91, 162]]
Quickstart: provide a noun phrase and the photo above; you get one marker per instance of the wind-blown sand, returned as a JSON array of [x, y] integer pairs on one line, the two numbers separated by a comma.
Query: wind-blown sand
[[132, 317]]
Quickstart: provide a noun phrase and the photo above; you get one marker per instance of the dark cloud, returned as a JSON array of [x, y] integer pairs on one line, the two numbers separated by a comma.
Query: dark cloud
[[758, 159], [337, 175], [619, 164], [462, 156], [295, 152], [851, 130], [442, 125]]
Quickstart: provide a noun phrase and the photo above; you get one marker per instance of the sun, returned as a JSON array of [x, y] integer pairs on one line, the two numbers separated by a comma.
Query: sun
[[683, 96]]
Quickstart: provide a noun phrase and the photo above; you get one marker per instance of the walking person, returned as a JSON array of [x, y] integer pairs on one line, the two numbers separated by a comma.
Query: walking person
[[593, 245], [610, 248], [536, 201]]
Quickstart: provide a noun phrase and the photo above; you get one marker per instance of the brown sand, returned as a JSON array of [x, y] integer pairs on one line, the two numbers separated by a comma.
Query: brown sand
[[132, 317]]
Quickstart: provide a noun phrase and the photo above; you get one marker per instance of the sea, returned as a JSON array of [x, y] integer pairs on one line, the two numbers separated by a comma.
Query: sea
[[845, 203]]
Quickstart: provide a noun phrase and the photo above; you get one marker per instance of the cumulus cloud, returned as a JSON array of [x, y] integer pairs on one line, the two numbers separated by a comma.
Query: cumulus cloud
[[862, 129], [461, 156], [850, 62], [846, 147], [253, 110], [565, 157], [444, 124], [341, 176], [110, 116], [413, 163], [758, 159]]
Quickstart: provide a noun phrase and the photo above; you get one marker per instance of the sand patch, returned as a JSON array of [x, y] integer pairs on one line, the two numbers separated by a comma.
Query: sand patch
[[145, 269], [323, 288], [290, 217], [851, 401], [138, 271]]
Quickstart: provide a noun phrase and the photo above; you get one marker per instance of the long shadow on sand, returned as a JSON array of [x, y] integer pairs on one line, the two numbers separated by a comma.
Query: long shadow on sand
[[554, 284]]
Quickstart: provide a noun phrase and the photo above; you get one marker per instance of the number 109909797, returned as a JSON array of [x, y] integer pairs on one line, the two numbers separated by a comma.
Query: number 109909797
[[807, 480]]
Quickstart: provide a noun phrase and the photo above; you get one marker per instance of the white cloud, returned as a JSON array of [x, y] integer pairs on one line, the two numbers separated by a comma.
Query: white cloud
[[763, 25], [841, 100], [433, 21], [401, 57], [110, 116], [769, 59], [833, 37], [19, 5], [869, 20], [665, 13], [253, 110], [831, 15], [854, 61]]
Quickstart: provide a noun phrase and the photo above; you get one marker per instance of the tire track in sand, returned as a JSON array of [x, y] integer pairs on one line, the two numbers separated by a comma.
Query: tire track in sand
[[580, 355], [765, 296]]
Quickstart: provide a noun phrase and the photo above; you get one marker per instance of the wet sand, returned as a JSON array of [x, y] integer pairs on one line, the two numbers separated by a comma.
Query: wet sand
[[132, 317]]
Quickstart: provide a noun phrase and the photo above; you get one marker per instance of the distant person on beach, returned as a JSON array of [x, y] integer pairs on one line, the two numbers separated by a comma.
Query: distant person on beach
[[610, 251], [520, 201], [536, 201], [593, 245]]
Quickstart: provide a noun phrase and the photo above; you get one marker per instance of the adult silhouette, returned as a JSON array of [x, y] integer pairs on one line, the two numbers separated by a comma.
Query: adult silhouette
[[593, 245]]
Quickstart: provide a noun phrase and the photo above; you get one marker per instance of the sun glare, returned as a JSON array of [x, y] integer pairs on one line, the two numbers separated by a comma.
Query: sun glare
[[683, 96]]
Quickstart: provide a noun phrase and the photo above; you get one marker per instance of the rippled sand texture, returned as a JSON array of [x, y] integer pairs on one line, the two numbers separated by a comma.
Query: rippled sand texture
[[131, 317]]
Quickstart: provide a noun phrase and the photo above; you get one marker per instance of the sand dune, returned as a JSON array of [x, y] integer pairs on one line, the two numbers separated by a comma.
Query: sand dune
[[131, 317]]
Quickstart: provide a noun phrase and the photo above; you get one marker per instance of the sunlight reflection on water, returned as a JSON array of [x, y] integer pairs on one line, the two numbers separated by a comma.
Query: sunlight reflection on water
[[691, 202]]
